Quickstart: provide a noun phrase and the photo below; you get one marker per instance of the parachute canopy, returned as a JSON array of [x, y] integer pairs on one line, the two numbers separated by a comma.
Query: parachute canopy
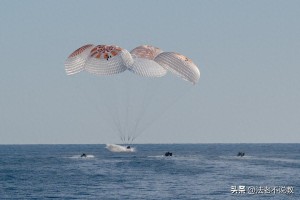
[[134, 103], [145, 60]]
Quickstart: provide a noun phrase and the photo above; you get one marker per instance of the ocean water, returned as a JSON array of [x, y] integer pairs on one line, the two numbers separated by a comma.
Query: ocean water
[[195, 171]]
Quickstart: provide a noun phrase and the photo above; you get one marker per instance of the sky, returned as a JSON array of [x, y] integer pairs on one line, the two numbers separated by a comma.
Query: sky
[[247, 52]]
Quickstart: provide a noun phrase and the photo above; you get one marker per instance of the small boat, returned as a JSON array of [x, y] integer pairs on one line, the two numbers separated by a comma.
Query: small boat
[[241, 154], [168, 154]]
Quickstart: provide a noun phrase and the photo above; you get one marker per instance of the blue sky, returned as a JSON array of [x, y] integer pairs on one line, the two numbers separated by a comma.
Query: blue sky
[[247, 52]]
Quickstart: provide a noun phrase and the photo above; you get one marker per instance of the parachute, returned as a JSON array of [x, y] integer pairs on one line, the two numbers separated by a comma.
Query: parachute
[[144, 64], [144, 61]]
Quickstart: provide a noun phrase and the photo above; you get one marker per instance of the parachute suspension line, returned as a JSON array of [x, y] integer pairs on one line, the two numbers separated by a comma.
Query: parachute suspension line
[[128, 108], [130, 115], [105, 103], [113, 117], [118, 127], [124, 109], [112, 110], [138, 117], [126, 117], [116, 110], [177, 99], [155, 91], [146, 103]]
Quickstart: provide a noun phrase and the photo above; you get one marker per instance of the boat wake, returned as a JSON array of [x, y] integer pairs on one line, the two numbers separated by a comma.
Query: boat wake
[[82, 157]]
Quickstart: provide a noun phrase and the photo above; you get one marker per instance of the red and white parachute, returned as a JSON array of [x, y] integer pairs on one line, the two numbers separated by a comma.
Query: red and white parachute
[[143, 60]]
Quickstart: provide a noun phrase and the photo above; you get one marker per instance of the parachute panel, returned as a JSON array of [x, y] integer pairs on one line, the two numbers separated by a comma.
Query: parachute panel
[[127, 58], [105, 60], [76, 61], [105, 67], [179, 65], [144, 64], [146, 51], [147, 68]]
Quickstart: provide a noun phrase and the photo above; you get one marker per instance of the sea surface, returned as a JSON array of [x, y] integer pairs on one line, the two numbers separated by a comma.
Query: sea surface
[[195, 171]]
